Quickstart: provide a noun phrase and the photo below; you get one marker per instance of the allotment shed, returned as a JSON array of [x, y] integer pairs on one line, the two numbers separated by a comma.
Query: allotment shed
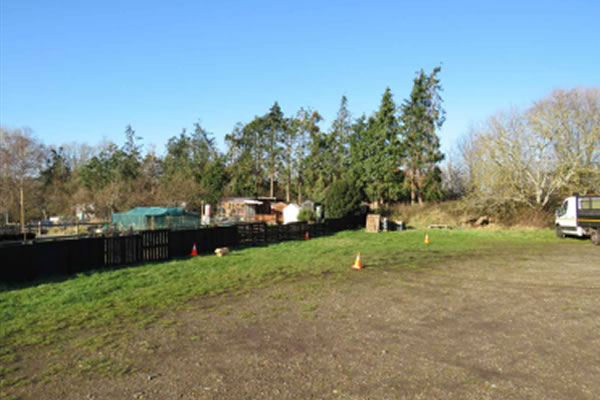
[[144, 218]]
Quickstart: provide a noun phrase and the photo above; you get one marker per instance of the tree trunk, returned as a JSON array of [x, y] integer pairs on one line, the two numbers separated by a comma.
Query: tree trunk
[[413, 188], [419, 180], [287, 188], [23, 213], [272, 179]]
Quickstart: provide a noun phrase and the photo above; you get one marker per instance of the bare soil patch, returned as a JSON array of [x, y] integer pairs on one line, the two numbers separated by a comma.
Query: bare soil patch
[[516, 324]]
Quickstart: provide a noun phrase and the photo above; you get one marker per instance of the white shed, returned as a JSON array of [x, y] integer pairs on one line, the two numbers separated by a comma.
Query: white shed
[[290, 213]]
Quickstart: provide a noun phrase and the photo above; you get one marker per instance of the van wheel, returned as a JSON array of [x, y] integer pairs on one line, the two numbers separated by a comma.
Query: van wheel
[[559, 232], [595, 237]]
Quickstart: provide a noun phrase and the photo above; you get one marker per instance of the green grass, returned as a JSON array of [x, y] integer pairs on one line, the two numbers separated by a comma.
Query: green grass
[[309, 308], [56, 311]]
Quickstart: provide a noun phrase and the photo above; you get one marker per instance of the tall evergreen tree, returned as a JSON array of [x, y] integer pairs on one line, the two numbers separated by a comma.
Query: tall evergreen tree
[[304, 123], [377, 152], [338, 141], [422, 114], [292, 134], [316, 179], [275, 128]]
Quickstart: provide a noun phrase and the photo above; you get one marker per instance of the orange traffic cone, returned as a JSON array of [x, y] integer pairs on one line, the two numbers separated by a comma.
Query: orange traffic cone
[[357, 263], [306, 237], [427, 241], [194, 251]]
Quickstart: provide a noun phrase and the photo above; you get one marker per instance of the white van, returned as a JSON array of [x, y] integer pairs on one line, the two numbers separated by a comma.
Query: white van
[[579, 216]]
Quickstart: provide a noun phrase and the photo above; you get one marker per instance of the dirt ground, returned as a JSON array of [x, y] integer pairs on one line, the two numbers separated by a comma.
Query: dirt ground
[[511, 325]]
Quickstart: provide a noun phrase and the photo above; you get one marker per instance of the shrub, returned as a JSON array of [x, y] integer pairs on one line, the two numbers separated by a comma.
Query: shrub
[[341, 199], [306, 215]]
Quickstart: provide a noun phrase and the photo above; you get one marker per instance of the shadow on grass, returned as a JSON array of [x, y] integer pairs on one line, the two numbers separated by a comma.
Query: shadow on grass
[[18, 285]]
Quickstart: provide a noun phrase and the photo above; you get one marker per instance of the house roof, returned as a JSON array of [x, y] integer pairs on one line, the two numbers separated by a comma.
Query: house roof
[[245, 200], [279, 206]]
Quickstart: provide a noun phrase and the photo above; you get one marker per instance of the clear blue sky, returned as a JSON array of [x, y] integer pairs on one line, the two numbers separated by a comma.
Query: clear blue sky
[[82, 70]]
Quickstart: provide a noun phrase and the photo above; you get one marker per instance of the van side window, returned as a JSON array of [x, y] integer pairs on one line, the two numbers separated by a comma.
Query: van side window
[[585, 204], [563, 209]]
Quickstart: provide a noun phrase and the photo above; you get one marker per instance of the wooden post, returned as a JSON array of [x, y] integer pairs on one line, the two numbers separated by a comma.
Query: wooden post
[[373, 221]]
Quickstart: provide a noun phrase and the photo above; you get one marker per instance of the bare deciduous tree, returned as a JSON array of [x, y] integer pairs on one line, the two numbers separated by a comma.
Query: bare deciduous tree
[[570, 120], [550, 149], [21, 156]]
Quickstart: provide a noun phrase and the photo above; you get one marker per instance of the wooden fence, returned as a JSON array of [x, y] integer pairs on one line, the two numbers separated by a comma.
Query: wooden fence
[[44, 258]]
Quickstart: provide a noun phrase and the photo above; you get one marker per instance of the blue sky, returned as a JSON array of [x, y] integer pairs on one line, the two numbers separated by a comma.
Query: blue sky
[[81, 70]]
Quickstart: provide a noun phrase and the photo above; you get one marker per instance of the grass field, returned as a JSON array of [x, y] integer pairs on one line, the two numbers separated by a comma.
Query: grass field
[[100, 311], [49, 312]]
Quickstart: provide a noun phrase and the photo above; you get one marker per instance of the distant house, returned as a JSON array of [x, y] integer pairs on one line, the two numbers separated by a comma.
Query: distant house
[[277, 210], [290, 213], [247, 209], [240, 209]]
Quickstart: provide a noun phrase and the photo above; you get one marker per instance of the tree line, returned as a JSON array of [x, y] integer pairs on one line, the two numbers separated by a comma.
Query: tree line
[[390, 155], [532, 156]]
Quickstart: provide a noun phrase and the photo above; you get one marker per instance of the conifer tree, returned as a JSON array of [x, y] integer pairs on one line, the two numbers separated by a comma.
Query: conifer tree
[[275, 126], [377, 151], [338, 141], [421, 115]]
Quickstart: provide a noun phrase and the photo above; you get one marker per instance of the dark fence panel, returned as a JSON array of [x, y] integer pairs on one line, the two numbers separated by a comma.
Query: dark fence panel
[[206, 240], [62, 256], [316, 230], [275, 233], [155, 245], [252, 234], [136, 248], [296, 230], [34, 260], [181, 242], [122, 250], [18, 263]]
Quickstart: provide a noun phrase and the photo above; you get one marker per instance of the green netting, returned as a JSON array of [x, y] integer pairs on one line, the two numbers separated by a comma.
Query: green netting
[[143, 218]]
